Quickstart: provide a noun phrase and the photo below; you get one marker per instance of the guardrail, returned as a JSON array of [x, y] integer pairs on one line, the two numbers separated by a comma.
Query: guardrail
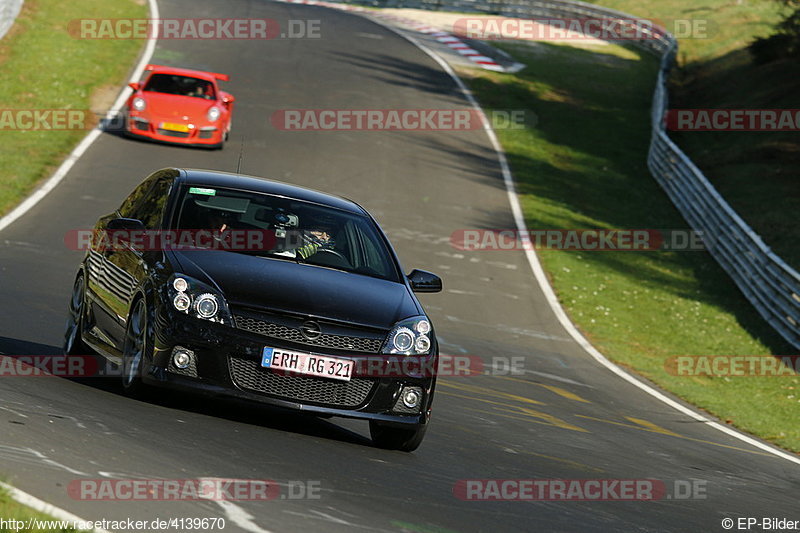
[[9, 9], [771, 285]]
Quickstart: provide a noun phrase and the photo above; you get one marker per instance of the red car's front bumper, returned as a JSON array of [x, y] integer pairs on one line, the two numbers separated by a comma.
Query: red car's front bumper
[[165, 131]]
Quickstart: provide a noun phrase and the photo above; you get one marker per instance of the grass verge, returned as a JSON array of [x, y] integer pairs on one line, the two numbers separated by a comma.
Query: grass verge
[[11, 510], [583, 166], [718, 28], [750, 170], [43, 68]]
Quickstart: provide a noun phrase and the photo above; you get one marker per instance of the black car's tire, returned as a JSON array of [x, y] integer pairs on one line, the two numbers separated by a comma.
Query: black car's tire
[[135, 350], [393, 438], [73, 334]]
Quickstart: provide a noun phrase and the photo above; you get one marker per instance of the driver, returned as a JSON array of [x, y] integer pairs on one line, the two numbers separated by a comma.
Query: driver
[[319, 236], [219, 223]]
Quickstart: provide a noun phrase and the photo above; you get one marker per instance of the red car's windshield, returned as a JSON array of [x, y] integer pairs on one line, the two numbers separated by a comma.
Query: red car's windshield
[[180, 85]]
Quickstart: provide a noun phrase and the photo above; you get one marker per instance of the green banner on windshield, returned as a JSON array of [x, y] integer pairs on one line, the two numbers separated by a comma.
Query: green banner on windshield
[[201, 190]]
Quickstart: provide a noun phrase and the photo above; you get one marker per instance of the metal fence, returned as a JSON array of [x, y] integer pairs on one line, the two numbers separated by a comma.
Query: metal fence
[[771, 285]]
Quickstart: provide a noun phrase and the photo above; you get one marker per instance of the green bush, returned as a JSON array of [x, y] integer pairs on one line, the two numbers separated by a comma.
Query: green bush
[[783, 44]]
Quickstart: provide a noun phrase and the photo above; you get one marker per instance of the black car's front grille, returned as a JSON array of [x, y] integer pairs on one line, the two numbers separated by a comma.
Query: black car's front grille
[[247, 374], [326, 340]]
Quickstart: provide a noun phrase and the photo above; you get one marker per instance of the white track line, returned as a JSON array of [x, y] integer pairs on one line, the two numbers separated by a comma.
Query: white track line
[[43, 507], [235, 514], [547, 289], [90, 138], [17, 495]]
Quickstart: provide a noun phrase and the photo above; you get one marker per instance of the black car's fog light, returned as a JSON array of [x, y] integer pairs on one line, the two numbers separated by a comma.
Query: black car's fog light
[[409, 402], [411, 397], [183, 361], [182, 358]]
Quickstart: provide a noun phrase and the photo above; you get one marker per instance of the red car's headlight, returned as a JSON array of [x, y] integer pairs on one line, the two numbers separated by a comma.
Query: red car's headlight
[[139, 104]]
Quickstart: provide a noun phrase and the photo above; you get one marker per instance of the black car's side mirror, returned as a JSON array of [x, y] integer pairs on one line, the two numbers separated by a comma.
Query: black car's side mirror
[[124, 224], [422, 281]]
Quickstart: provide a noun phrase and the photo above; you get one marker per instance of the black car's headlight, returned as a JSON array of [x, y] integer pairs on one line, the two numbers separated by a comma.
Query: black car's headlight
[[197, 299], [409, 337]]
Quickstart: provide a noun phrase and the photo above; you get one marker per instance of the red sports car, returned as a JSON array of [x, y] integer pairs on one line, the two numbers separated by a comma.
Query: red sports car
[[182, 106]]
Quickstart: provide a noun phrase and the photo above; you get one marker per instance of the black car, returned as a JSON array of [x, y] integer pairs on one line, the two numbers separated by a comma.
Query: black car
[[286, 323]]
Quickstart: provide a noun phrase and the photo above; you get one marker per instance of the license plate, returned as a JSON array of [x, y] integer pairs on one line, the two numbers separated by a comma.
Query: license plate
[[308, 364], [171, 126]]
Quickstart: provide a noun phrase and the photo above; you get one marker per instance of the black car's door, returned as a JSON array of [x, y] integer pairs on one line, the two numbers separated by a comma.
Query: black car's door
[[120, 269]]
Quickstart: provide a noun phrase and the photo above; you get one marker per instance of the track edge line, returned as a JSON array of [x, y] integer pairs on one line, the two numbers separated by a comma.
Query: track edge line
[[43, 507]]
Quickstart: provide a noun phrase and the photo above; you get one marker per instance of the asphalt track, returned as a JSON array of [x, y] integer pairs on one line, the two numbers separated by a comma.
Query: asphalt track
[[566, 417]]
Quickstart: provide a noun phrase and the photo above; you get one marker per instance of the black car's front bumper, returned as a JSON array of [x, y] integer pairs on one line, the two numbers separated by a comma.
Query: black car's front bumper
[[227, 362]]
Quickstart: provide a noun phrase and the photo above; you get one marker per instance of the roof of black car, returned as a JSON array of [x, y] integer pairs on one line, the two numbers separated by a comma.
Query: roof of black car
[[214, 178]]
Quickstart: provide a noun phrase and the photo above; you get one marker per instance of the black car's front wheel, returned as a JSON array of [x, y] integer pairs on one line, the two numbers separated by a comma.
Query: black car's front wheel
[[135, 349], [393, 438], [73, 334]]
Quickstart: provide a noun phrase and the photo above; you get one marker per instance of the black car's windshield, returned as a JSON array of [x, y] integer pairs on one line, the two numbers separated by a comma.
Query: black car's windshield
[[281, 228], [180, 85]]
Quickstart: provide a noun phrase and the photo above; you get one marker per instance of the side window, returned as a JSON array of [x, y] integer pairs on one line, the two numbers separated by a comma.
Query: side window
[[151, 208], [126, 210]]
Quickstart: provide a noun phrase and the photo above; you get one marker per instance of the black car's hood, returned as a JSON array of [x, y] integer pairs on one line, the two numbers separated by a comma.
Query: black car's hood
[[258, 282]]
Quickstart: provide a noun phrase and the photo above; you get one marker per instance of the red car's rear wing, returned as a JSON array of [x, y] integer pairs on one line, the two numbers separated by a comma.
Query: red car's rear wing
[[217, 75]]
